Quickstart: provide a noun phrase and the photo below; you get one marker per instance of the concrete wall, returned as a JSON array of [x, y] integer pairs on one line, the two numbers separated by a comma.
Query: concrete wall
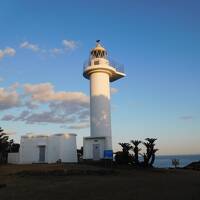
[[100, 117], [58, 146], [88, 147], [29, 148], [13, 158], [54, 148], [68, 151]]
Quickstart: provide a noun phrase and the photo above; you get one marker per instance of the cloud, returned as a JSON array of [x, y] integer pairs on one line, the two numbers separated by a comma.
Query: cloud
[[67, 45], [113, 90], [70, 44], [8, 117], [8, 99], [56, 51], [79, 126], [22, 117], [8, 51], [41, 103], [27, 45], [31, 105], [10, 133], [187, 117], [14, 86], [44, 117], [45, 92], [1, 79]]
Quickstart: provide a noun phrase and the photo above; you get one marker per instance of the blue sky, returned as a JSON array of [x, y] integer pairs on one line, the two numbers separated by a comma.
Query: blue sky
[[157, 41]]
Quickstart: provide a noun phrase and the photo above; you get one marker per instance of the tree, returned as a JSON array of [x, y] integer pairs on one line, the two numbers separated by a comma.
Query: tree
[[14, 147], [124, 157], [4, 146], [149, 156], [126, 147], [136, 150], [80, 154]]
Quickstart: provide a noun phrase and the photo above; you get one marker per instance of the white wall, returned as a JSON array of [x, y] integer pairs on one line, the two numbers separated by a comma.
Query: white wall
[[68, 151], [88, 147], [29, 148], [53, 148], [13, 158], [100, 116], [58, 146]]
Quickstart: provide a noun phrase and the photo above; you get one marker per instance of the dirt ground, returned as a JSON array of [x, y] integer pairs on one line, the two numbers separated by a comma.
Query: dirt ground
[[133, 184]]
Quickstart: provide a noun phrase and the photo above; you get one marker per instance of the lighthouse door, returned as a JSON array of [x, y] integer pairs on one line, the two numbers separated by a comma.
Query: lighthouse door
[[96, 151]]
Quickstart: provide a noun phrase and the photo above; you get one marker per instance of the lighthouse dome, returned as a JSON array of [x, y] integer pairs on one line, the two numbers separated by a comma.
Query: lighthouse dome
[[98, 51]]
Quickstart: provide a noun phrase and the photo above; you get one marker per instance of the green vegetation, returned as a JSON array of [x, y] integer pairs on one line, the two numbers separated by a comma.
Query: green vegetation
[[125, 157], [6, 146]]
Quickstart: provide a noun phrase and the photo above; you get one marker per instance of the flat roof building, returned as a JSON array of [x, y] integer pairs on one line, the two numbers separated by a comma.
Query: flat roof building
[[47, 149]]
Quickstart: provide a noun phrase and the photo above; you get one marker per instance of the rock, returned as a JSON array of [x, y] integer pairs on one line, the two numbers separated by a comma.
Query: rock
[[193, 165]]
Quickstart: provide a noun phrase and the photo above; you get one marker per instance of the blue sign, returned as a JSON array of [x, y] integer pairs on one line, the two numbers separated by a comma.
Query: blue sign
[[108, 154]]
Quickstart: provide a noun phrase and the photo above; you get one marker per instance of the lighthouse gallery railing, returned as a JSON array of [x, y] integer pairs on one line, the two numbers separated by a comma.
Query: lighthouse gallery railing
[[114, 64]]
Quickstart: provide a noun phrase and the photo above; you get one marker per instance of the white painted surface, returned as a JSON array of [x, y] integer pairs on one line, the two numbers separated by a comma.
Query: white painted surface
[[13, 158], [58, 146], [100, 73], [100, 118], [29, 148], [88, 147]]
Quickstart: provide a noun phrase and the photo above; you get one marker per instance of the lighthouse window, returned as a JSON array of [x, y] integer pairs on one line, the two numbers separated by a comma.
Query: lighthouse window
[[99, 54], [96, 62], [95, 54]]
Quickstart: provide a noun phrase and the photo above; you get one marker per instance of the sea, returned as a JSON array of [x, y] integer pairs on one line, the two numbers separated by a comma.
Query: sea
[[166, 161]]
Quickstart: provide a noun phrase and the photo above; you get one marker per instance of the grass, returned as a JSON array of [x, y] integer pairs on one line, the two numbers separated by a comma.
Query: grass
[[91, 182]]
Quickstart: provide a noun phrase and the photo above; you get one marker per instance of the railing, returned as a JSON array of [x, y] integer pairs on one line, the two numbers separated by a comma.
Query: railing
[[119, 67], [112, 63]]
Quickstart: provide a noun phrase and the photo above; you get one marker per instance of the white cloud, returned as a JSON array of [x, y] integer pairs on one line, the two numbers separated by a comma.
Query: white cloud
[[8, 51], [28, 45], [44, 117], [8, 99], [79, 126], [8, 117], [61, 107], [70, 44], [45, 92], [56, 51], [14, 86], [1, 79], [10, 133], [67, 45]]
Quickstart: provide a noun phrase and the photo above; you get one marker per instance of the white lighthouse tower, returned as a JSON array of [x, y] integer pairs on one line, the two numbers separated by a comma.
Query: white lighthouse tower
[[100, 71]]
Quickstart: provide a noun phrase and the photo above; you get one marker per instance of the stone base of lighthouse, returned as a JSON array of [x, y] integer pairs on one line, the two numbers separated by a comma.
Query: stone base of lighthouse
[[94, 148]]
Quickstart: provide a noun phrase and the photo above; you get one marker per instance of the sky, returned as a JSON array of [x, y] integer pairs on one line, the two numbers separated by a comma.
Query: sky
[[43, 45]]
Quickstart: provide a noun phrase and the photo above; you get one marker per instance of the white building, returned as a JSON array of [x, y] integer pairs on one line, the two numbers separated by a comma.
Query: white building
[[46, 149], [100, 71]]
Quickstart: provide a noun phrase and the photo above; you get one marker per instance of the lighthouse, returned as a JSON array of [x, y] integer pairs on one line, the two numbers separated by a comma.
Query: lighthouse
[[100, 71]]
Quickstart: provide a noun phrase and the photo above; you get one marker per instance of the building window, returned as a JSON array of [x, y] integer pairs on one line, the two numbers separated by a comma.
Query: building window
[[96, 62]]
